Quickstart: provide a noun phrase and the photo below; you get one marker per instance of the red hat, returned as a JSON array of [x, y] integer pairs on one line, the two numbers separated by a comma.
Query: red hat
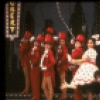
[[50, 30], [27, 35], [40, 38], [49, 39], [62, 35], [80, 37]]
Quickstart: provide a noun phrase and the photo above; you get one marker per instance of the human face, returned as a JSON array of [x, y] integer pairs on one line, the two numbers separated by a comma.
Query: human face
[[48, 34], [36, 43], [78, 44], [90, 44], [47, 46], [98, 78], [61, 41]]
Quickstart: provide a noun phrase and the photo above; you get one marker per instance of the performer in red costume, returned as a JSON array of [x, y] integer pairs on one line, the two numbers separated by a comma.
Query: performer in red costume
[[47, 66], [23, 54], [87, 67], [34, 57], [62, 64], [49, 31], [76, 54]]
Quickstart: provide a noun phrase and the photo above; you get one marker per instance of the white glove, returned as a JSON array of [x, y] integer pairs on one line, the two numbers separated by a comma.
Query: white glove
[[55, 38], [96, 36], [46, 51], [69, 58], [72, 41], [43, 68], [97, 42], [32, 39], [34, 48]]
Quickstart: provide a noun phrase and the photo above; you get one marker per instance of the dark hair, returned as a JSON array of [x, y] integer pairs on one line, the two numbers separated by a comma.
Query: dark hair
[[97, 73], [91, 39]]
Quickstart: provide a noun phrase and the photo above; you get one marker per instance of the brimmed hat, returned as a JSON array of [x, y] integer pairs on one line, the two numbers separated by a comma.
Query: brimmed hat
[[40, 38], [27, 35], [62, 35], [49, 39], [80, 38], [50, 30]]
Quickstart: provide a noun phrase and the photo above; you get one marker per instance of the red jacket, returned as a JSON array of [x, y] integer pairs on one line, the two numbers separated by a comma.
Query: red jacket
[[62, 63], [42, 49], [76, 54], [23, 52], [49, 62], [24, 48], [34, 56]]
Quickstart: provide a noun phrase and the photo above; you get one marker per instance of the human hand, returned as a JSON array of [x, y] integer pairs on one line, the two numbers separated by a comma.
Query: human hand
[[43, 68], [72, 41]]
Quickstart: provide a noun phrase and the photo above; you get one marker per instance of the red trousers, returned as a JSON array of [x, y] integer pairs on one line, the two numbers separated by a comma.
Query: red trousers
[[35, 82], [77, 93]]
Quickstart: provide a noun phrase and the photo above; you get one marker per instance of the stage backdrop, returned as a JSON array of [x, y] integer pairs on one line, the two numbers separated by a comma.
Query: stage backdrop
[[48, 10]]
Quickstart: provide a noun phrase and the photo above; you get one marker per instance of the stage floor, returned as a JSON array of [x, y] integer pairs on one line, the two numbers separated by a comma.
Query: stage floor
[[17, 96]]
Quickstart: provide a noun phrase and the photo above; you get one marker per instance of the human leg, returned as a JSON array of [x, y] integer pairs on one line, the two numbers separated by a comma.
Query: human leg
[[62, 76], [44, 87], [27, 80]]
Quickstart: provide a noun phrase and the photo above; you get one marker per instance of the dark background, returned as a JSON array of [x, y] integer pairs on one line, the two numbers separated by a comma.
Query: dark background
[[43, 11]]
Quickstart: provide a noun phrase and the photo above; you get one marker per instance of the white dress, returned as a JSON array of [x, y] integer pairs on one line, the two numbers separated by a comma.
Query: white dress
[[85, 73]]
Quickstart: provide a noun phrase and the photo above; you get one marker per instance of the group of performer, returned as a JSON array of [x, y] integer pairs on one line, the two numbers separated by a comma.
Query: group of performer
[[45, 53]]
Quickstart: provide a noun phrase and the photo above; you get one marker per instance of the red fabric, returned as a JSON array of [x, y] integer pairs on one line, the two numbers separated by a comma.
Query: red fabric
[[62, 57], [49, 62], [42, 49], [80, 37], [50, 30], [40, 38], [62, 35], [27, 35], [77, 94], [49, 39], [35, 57], [35, 72], [23, 52], [25, 61], [74, 71], [76, 54], [35, 82]]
